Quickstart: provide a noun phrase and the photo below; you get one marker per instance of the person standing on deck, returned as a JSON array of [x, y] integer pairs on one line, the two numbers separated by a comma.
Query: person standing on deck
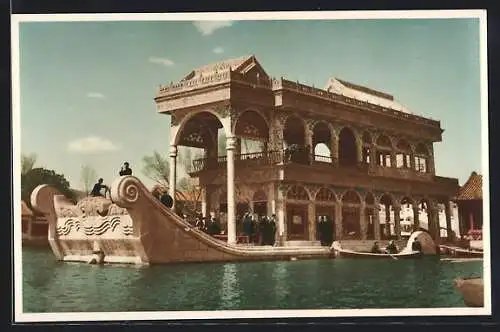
[[125, 170]]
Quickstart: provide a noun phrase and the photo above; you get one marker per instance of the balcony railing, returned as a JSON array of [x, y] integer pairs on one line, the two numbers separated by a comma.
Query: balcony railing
[[302, 156]]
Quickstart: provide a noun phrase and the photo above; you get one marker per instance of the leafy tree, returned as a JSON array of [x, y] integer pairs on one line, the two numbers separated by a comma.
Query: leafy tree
[[88, 177], [37, 176], [27, 162], [156, 167]]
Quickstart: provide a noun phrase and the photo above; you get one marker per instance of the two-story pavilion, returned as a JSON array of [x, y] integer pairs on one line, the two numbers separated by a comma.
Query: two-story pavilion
[[381, 155]]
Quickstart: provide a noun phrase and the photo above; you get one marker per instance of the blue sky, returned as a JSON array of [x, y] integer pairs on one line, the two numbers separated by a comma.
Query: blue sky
[[87, 88]]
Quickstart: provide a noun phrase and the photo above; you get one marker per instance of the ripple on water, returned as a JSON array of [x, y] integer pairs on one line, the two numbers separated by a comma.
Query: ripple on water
[[50, 286]]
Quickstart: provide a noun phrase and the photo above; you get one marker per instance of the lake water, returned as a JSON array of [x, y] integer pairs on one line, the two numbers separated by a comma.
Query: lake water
[[51, 286]]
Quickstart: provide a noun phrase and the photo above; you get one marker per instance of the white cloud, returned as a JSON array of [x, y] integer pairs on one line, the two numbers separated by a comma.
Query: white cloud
[[218, 50], [92, 144], [96, 95], [208, 27], [161, 61]]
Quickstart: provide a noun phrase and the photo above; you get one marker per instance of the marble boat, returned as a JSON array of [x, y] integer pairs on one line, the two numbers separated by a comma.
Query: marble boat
[[472, 291], [133, 227]]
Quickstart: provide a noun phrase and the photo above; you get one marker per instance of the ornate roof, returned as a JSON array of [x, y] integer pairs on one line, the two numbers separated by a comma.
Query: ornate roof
[[472, 188], [213, 68], [363, 93]]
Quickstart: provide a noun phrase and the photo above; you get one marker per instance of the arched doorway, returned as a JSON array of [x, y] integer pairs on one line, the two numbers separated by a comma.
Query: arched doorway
[[200, 132], [296, 213], [386, 222], [325, 215], [295, 148], [351, 227], [384, 151], [253, 135], [321, 141], [407, 224], [347, 148]]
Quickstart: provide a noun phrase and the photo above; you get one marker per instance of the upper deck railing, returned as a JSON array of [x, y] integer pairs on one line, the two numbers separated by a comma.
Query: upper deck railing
[[303, 157]]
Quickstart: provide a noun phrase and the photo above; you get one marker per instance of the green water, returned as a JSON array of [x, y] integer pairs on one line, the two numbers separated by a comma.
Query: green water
[[51, 286]]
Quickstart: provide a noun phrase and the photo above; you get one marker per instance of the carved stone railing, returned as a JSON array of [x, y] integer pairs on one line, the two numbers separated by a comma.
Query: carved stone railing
[[279, 84], [218, 78]]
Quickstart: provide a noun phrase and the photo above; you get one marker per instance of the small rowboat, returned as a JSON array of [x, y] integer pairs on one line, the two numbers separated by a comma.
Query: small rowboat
[[461, 252], [472, 291], [345, 253]]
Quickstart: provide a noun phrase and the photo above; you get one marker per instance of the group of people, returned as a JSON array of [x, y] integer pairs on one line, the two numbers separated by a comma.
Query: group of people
[[209, 225], [392, 248], [99, 186], [260, 229]]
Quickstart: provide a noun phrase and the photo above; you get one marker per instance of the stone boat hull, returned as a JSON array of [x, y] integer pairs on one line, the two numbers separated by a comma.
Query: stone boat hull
[[472, 291], [135, 228]]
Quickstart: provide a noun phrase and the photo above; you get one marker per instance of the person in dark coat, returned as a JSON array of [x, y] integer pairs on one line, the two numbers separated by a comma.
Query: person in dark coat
[[96, 191], [272, 226], [247, 226], [167, 200], [125, 170], [213, 227]]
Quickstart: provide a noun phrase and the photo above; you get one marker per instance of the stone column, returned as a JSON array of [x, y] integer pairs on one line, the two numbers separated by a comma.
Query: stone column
[[363, 222], [334, 148], [231, 207], [338, 221], [311, 216], [376, 221], [373, 156], [173, 173], [308, 139], [359, 149], [430, 159], [448, 212], [387, 220], [204, 199], [416, 216], [434, 223], [397, 221], [237, 148], [281, 216]]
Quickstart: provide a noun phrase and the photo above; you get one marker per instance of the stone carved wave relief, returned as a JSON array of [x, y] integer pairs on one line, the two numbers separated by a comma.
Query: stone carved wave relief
[[110, 223]]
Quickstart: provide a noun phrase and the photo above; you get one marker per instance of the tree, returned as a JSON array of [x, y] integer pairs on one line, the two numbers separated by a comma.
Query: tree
[[27, 162], [37, 176], [88, 176], [156, 167]]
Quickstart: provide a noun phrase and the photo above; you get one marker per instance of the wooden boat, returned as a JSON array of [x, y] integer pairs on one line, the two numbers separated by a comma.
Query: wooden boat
[[472, 291], [134, 227], [345, 253], [460, 252]]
